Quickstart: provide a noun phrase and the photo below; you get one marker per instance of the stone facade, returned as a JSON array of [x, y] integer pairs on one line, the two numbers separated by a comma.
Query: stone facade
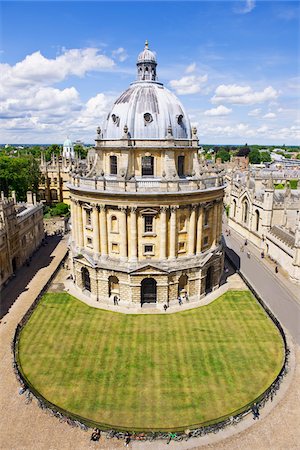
[[267, 217], [146, 213], [21, 233]]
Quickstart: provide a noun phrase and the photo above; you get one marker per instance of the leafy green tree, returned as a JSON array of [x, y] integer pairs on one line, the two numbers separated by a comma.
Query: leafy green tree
[[224, 155], [60, 209], [82, 152], [254, 156], [19, 174], [265, 157], [298, 156]]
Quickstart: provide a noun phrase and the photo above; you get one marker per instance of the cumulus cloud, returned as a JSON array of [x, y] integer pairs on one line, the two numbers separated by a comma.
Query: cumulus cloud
[[36, 68], [233, 93], [218, 111], [269, 115], [244, 6], [120, 54], [254, 112], [189, 84]]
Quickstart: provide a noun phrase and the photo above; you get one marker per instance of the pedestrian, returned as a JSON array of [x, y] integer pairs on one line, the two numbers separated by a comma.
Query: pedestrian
[[242, 248], [246, 242], [262, 255], [165, 307], [179, 300], [127, 440], [95, 435], [255, 411], [229, 232], [248, 254], [276, 269], [226, 270], [186, 297], [115, 300]]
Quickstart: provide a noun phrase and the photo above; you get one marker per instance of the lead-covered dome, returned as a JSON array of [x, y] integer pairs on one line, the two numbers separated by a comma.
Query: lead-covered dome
[[147, 109]]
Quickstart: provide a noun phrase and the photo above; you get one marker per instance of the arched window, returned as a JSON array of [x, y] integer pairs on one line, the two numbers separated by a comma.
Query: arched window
[[180, 166], [86, 281], [234, 208], [256, 220], [182, 223], [113, 165], [114, 224], [245, 211], [113, 285], [206, 217], [147, 166], [183, 285]]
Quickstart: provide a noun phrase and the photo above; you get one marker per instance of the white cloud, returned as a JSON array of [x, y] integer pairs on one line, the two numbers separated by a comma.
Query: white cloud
[[244, 6], [233, 93], [191, 68], [218, 111], [120, 54], [254, 112], [269, 115], [94, 112], [35, 68], [190, 84]]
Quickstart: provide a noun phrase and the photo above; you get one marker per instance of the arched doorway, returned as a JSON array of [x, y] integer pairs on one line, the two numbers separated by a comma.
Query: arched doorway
[[113, 286], [86, 280], [148, 291], [183, 285], [208, 280]]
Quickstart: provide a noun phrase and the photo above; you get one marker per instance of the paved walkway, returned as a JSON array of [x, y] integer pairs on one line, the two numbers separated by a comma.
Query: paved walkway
[[277, 292], [27, 427]]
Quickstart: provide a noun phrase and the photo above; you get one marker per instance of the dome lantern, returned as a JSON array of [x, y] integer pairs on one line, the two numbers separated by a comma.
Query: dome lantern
[[146, 65]]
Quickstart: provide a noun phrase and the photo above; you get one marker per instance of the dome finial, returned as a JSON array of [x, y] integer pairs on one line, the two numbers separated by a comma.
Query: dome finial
[[146, 44]]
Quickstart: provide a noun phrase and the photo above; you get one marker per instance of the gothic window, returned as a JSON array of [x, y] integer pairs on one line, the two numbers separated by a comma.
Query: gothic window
[[114, 224], [180, 166], [148, 224], [147, 166], [86, 281], [113, 165], [245, 211], [234, 208], [256, 220]]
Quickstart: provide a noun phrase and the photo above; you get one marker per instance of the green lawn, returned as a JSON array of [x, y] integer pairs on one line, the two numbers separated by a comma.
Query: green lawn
[[144, 371]]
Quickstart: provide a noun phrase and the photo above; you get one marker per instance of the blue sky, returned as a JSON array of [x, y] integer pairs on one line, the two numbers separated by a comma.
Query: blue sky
[[234, 66]]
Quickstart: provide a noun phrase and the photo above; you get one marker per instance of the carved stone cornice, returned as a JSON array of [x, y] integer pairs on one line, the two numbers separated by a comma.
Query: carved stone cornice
[[133, 209], [123, 209], [102, 207]]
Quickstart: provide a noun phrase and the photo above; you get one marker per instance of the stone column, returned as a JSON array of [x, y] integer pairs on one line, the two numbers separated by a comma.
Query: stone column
[[73, 220], [123, 232], [199, 229], [192, 231], [163, 232], [80, 231], [133, 234], [103, 230], [96, 230], [214, 224], [173, 232]]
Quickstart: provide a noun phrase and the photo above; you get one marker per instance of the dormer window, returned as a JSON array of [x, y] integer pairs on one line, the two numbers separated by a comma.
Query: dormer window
[[180, 119], [115, 119], [148, 118]]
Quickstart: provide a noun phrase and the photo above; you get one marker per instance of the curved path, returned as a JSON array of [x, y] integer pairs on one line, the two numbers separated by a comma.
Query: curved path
[[27, 427]]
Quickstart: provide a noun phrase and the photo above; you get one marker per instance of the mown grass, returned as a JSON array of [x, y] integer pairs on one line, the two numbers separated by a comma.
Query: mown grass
[[144, 371]]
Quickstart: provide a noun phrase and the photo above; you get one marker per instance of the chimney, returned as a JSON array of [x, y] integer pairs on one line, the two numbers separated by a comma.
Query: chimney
[[34, 199]]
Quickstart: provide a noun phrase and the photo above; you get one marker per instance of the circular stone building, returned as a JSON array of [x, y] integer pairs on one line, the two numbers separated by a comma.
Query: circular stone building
[[146, 215]]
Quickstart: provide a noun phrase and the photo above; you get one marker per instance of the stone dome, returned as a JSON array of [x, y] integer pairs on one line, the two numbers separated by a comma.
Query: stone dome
[[68, 143], [147, 109]]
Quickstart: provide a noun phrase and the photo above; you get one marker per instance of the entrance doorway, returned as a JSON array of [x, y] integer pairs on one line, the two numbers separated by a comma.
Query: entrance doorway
[[148, 291], [208, 280]]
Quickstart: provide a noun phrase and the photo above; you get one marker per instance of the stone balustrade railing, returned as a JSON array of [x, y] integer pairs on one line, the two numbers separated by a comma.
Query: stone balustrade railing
[[146, 185]]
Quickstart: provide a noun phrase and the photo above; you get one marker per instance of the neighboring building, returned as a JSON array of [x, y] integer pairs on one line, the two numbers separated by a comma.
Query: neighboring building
[[146, 215], [55, 176], [267, 217], [21, 233], [68, 150]]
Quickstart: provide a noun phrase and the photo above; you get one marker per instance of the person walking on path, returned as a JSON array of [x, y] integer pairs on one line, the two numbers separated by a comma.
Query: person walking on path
[[165, 307], [248, 255], [255, 411], [179, 300], [276, 269]]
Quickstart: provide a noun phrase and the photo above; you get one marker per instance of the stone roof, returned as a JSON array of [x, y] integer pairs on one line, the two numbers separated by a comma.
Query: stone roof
[[283, 235]]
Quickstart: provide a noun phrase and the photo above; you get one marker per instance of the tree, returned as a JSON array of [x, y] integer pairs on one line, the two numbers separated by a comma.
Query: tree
[[265, 157], [254, 156], [19, 174], [82, 152], [244, 151], [224, 155]]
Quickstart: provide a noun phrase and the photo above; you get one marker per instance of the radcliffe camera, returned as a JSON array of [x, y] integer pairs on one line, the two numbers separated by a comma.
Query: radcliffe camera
[[150, 225]]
